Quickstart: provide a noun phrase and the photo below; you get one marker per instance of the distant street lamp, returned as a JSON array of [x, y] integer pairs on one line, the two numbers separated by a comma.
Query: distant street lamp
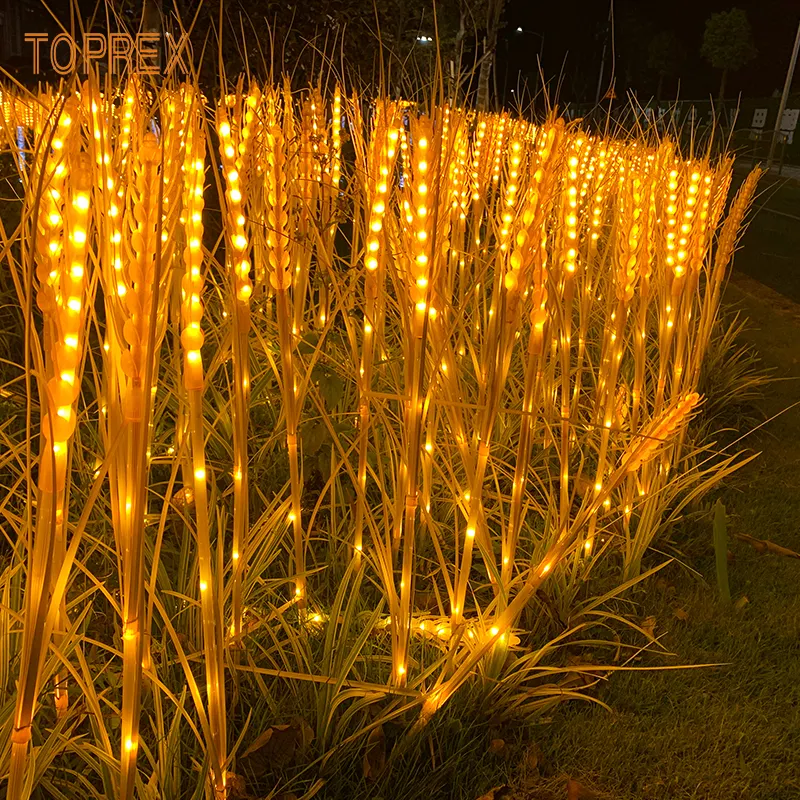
[[534, 33], [520, 31]]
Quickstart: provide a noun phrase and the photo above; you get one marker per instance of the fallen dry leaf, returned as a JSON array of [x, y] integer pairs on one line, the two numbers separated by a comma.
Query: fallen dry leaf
[[278, 745], [681, 614], [375, 754], [533, 757], [497, 746], [576, 791], [237, 789], [649, 626], [765, 546], [741, 602]]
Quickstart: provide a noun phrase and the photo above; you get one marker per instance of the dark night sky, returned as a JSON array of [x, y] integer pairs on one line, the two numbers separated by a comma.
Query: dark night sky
[[573, 42], [572, 32]]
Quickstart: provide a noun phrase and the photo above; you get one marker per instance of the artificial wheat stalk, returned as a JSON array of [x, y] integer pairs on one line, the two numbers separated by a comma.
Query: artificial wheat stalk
[[645, 266], [280, 277], [329, 154], [422, 194], [139, 301], [688, 259], [626, 255], [192, 341], [504, 315], [60, 256], [659, 431], [531, 251], [568, 265], [234, 134], [383, 149], [722, 257]]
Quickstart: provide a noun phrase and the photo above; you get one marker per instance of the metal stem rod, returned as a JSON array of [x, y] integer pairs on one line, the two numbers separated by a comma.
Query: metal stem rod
[[784, 97]]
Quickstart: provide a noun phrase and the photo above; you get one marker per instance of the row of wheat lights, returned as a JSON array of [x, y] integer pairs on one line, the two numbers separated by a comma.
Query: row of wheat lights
[[570, 255], [593, 188]]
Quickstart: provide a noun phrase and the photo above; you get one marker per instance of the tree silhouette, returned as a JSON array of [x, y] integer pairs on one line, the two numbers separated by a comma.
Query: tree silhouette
[[728, 43]]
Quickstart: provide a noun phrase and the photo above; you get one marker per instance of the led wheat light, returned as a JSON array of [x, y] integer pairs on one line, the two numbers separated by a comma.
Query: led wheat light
[[61, 263], [192, 341], [379, 169], [136, 296], [234, 121], [280, 277], [423, 191]]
